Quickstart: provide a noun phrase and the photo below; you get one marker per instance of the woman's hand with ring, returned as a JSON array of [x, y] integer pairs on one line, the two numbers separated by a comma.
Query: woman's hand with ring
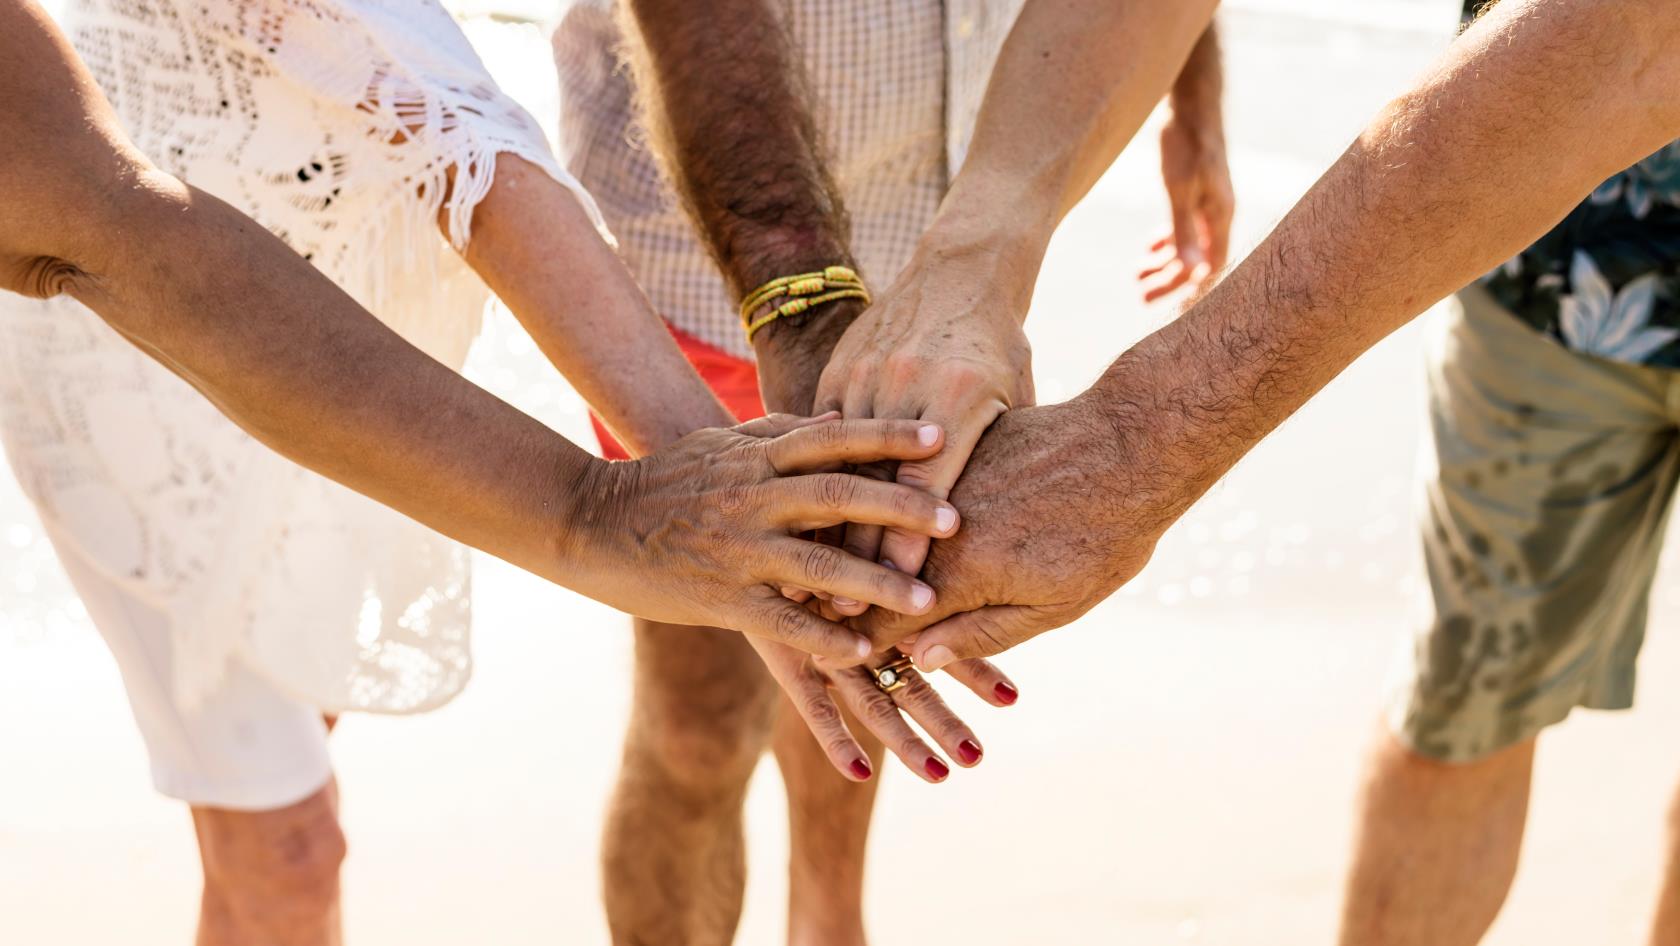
[[881, 707]]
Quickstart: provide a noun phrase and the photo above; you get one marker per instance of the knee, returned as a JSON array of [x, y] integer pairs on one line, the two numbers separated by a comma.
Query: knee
[[706, 745], [283, 861], [1400, 770]]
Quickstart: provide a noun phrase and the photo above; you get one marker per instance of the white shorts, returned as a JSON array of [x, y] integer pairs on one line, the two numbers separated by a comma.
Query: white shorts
[[248, 746]]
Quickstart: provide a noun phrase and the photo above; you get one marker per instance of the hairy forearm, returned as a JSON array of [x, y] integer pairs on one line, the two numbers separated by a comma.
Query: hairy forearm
[[724, 98], [1074, 82], [1527, 113]]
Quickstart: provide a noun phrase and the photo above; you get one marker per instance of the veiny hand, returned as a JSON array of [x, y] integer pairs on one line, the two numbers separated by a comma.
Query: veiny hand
[[1053, 522], [1198, 184], [703, 531], [811, 689], [942, 345]]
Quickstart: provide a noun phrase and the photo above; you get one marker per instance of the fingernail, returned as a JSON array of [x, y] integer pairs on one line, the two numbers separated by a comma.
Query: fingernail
[[861, 769], [921, 596], [927, 435], [1006, 694], [945, 519], [969, 751], [864, 647], [936, 769], [888, 563], [844, 603], [935, 658]]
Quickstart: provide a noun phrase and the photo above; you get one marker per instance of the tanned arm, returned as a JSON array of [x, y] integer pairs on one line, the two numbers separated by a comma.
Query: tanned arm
[[295, 361], [1534, 106], [1074, 81]]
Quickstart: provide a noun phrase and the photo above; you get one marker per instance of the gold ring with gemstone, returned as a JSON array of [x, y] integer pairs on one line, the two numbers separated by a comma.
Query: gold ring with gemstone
[[893, 674]]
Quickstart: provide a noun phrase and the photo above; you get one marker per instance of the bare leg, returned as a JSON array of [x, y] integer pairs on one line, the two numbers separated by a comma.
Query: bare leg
[[1437, 846], [271, 877], [828, 827], [674, 859], [1665, 930]]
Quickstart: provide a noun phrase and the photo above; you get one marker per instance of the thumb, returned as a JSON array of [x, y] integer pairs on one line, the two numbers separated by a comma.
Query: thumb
[[983, 632]]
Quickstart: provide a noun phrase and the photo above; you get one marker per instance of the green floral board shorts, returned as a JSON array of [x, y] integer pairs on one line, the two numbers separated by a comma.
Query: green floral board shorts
[[1545, 501]]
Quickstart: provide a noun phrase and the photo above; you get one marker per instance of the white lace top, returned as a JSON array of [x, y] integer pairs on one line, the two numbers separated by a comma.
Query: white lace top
[[335, 124]]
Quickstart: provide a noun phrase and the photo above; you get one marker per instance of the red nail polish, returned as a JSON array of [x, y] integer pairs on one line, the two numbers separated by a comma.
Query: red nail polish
[[1006, 694], [969, 750], [861, 769], [937, 769]]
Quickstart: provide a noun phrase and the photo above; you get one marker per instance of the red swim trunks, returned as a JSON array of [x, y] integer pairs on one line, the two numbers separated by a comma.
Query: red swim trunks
[[734, 380]]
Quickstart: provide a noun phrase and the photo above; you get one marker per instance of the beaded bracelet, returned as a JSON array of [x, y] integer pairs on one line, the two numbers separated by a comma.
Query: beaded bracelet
[[803, 292]]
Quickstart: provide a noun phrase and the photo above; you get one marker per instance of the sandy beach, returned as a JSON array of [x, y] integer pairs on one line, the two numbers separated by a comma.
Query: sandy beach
[[1180, 768]]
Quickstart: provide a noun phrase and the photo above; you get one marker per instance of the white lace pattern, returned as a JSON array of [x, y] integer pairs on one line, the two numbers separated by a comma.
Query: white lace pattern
[[346, 127]]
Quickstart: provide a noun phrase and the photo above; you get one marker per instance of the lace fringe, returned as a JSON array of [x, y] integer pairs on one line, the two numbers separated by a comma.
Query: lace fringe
[[396, 267]]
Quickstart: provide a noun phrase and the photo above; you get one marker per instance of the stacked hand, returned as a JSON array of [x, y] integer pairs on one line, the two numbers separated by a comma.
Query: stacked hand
[[1057, 514], [1045, 536], [723, 505], [1044, 539], [942, 346]]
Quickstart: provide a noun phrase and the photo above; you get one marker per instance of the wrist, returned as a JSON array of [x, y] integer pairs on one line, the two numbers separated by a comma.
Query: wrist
[[792, 352], [589, 522], [757, 255], [1136, 432], [1193, 115], [997, 232]]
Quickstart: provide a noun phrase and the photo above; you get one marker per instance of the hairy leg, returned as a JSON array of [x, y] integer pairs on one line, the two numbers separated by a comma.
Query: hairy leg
[[1436, 847], [828, 828], [271, 877], [674, 858]]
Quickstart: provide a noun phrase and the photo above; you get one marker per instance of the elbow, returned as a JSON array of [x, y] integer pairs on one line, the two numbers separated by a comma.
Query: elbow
[[41, 276], [70, 237]]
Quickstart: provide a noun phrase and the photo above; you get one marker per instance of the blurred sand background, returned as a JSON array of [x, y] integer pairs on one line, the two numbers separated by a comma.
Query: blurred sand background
[[1181, 766]]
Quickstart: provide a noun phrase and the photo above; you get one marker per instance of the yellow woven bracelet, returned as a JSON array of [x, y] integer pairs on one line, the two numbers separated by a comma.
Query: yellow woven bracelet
[[802, 291]]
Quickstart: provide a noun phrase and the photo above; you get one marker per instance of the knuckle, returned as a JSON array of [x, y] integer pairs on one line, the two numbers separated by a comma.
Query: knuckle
[[821, 563], [731, 501], [839, 745], [920, 694], [881, 712], [992, 637], [830, 435], [835, 490], [907, 503], [789, 622], [902, 367], [820, 712], [964, 375], [888, 585]]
